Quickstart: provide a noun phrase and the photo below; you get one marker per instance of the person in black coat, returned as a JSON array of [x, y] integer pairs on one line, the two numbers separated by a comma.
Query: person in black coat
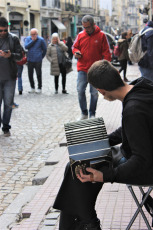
[[69, 44], [134, 165]]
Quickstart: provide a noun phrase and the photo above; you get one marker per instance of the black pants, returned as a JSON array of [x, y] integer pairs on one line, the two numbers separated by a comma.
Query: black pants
[[56, 78], [67, 222], [123, 67], [37, 66], [76, 200]]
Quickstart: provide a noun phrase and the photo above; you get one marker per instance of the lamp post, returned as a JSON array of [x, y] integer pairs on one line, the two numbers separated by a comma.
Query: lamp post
[[7, 10], [27, 25]]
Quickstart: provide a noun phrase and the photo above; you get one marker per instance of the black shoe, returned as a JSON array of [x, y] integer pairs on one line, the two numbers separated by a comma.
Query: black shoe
[[7, 133], [90, 226], [130, 63], [20, 92], [64, 91], [56, 92], [126, 80]]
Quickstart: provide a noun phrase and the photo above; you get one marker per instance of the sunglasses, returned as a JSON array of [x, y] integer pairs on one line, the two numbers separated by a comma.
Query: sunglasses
[[3, 31]]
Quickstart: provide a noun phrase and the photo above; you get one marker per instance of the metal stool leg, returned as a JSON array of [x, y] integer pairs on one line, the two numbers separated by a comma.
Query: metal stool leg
[[139, 205]]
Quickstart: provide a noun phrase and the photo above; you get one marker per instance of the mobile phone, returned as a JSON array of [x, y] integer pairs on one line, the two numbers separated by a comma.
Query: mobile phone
[[5, 51], [77, 53]]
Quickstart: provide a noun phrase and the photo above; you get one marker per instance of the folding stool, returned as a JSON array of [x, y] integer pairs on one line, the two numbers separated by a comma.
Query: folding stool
[[141, 204]]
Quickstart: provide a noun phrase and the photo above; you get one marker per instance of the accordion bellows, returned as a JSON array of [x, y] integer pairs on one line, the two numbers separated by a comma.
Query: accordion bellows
[[88, 144]]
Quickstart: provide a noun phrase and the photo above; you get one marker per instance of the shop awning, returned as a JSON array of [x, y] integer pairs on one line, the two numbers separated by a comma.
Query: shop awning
[[59, 25]]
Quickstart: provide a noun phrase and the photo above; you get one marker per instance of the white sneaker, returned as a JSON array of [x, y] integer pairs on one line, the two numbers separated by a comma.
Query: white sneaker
[[39, 91], [32, 90], [83, 117]]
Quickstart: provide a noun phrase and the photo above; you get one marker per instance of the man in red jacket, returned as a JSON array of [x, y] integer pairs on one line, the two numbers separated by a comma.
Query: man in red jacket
[[90, 45]]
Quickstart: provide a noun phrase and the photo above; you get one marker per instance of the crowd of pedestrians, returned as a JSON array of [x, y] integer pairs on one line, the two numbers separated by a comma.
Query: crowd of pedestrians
[[90, 45], [13, 57]]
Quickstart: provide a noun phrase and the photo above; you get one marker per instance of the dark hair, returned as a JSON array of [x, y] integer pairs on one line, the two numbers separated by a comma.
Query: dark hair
[[3, 22], [88, 18], [103, 75], [145, 20], [124, 34], [69, 40]]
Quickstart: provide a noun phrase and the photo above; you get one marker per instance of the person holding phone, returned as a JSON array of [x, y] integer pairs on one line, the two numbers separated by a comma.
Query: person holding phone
[[10, 51], [89, 46]]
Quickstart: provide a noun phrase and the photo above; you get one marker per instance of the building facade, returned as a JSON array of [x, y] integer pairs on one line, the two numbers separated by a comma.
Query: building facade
[[22, 15], [48, 16], [50, 19], [126, 15]]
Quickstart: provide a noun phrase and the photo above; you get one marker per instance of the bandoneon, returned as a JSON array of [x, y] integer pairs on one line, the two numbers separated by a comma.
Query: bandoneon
[[88, 144]]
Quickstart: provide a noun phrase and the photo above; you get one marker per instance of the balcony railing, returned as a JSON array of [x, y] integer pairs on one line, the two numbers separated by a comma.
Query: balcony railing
[[87, 10], [70, 7]]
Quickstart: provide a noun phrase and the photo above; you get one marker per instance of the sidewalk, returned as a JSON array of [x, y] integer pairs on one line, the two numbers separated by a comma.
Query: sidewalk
[[37, 129]]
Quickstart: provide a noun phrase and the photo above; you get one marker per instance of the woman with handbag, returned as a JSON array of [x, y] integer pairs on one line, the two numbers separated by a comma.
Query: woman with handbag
[[56, 56]]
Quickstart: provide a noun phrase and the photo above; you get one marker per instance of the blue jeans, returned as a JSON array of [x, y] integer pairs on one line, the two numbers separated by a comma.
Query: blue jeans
[[146, 73], [81, 88], [7, 91], [20, 70]]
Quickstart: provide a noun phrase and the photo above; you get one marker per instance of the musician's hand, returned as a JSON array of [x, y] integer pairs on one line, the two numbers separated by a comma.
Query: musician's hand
[[94, 176]]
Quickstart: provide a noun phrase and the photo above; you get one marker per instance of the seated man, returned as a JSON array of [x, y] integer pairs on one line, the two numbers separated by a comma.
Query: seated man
[[76, 200]]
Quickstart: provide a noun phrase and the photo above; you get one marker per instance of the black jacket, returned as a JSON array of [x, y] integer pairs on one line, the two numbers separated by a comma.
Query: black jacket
[[16, 53], [147, 45], [136, 136]]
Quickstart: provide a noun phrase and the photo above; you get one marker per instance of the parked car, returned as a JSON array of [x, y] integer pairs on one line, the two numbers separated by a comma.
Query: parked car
[[112, 43]]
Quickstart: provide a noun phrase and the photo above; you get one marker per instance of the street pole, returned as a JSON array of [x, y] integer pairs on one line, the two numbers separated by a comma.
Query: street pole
[[150, 10]]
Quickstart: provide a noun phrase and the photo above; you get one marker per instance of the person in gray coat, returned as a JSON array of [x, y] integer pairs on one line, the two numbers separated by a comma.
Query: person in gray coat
[[56, 56]]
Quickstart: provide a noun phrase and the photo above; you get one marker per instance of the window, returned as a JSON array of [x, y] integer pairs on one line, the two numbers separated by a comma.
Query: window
[[57, 4], [43, 2]]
